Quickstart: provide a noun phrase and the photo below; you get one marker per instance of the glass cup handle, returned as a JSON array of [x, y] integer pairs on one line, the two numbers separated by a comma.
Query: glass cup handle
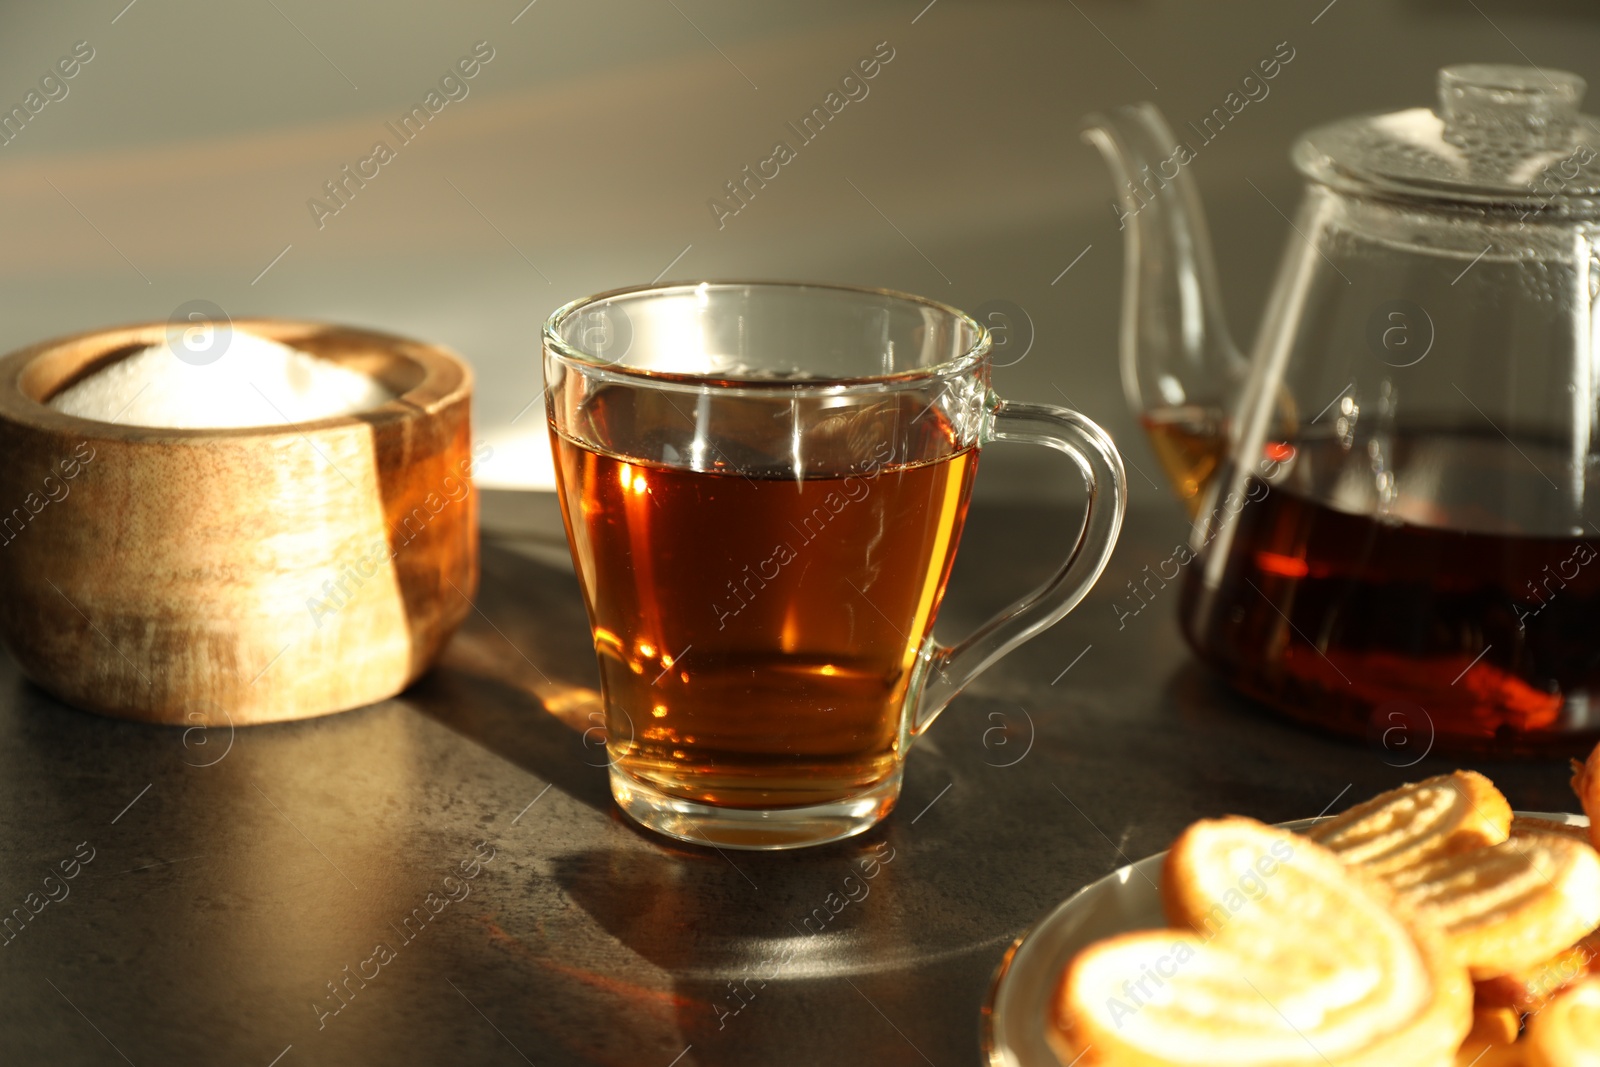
[[947, 671]]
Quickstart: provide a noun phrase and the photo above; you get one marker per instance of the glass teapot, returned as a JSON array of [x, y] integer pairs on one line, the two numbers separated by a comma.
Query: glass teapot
[[1394, 524]]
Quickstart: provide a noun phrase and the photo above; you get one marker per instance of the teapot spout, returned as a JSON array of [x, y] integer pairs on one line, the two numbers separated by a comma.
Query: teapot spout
[[1180, 368]]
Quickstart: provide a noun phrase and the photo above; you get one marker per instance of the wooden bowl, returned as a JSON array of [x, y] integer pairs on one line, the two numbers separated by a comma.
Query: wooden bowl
[[235, 575]]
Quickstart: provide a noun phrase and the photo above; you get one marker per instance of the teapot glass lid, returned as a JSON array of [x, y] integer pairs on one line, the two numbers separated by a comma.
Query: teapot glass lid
[[1502, 135]]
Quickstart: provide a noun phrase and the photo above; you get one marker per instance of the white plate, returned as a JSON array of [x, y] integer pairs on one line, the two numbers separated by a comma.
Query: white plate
[[1124, 900]]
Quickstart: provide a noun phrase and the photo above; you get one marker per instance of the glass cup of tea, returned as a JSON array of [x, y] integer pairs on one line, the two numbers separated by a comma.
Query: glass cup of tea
[[763, 486]]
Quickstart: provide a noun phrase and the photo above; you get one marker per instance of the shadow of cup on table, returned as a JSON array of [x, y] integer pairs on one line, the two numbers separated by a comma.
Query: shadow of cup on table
[[519, 677], [753, 945]]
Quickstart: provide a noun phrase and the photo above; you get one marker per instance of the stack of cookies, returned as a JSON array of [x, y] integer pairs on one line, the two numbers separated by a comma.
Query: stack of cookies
[[1426, 927]]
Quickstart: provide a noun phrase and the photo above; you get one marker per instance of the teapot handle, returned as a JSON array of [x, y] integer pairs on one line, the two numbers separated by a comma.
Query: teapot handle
[[948, 670]]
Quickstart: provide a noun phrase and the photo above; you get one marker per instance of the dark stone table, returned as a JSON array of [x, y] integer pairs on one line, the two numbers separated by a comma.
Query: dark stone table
[[465, 827]]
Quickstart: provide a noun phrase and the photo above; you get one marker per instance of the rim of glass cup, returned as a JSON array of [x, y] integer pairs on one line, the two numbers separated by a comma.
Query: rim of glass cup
[[570, 354]]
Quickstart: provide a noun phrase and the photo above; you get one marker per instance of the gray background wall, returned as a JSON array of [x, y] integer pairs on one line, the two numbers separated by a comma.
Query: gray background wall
[[181, 161]]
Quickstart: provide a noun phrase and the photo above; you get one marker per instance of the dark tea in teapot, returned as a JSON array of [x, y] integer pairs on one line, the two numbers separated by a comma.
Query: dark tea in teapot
[[1447, 616]]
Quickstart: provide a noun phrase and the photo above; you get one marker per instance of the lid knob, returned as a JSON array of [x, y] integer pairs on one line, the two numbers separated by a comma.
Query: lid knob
[[1528, 107]]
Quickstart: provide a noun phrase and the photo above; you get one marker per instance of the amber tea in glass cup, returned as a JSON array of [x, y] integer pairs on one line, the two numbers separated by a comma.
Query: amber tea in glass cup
[[763, 486]]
